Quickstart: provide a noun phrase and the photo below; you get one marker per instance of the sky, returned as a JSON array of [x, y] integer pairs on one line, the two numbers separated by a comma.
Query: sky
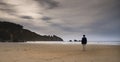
[[99, 20]]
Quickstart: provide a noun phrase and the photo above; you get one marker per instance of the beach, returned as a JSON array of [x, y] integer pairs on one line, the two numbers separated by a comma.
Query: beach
[[29, 52]]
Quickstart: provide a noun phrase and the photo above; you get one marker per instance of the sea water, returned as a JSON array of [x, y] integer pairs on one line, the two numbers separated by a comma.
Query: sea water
[[65, 42]]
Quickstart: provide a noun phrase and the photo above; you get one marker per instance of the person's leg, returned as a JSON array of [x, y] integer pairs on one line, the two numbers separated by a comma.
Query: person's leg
[[84, 47]]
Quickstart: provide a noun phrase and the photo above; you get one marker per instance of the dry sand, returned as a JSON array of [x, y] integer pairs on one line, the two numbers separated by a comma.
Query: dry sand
[[17, 52]]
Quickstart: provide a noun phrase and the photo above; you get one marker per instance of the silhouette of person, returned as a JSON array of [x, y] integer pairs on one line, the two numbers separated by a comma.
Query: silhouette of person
[[84, 42]]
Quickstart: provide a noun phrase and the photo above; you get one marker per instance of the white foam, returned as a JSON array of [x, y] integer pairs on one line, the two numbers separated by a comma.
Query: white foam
[[58, 42]]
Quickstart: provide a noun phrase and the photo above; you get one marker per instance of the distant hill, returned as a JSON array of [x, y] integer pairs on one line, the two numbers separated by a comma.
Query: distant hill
[[11, 32]]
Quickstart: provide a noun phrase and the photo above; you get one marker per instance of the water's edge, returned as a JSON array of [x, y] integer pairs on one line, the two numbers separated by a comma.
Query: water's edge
[[90, 42]]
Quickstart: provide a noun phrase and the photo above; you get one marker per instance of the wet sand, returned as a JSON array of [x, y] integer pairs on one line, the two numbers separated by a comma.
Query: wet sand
[[24, 52]]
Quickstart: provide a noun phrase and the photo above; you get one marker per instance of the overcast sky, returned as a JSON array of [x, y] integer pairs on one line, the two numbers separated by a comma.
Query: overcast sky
[[69, 19]]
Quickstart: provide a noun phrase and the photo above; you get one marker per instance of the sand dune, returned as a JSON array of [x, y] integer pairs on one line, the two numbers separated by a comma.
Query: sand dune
[[17, 52]]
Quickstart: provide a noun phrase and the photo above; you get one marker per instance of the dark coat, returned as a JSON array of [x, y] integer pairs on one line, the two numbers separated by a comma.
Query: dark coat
[[84, 40]]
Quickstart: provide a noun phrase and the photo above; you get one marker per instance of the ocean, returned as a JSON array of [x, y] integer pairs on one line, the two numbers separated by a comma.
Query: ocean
[[65, 42]]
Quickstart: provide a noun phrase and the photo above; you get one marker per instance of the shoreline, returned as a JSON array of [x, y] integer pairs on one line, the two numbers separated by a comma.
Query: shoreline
[[50, 42]]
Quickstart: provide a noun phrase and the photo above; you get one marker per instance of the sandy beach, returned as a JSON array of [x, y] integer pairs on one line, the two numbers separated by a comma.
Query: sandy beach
[[24, 52]]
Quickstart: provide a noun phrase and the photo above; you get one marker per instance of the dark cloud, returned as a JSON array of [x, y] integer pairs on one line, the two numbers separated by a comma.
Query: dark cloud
[[26, 17], [105, 27], [49, 4], [2, 3], [110, 23], [64, 28], [46, 18], [8, 8], [1, 19]]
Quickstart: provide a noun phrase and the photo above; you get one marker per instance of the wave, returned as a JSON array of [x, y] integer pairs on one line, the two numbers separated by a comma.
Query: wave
[[65, 42]]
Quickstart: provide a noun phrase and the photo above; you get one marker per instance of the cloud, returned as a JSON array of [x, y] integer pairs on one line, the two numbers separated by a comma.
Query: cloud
[[26, 17], [48, 4], [98, 18], [8, 8], [69, 19], [46, 18]]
